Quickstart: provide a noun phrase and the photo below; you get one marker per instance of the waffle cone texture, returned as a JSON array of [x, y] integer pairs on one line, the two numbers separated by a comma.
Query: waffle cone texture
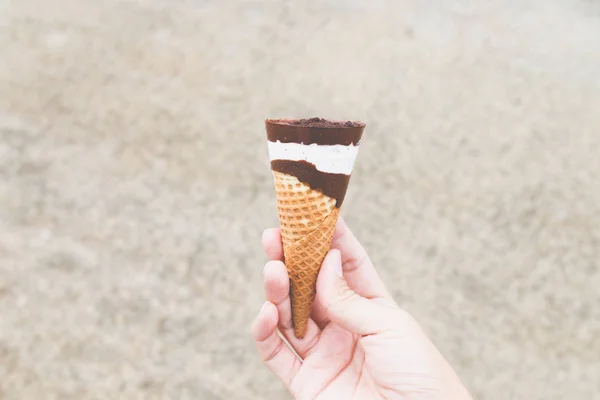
[[307, 218]]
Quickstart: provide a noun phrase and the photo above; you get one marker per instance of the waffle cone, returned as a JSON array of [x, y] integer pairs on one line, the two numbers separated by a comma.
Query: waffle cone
[[307, 218]]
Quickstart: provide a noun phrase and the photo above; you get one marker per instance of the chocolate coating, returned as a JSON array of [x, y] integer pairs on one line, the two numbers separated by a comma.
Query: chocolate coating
[[314, 130], [332, 185]]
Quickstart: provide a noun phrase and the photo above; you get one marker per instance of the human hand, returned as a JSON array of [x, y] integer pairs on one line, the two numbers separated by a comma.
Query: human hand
[[359, 344]]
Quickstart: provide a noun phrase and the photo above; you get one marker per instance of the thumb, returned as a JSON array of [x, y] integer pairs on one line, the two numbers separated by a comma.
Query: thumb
[[346, 308]]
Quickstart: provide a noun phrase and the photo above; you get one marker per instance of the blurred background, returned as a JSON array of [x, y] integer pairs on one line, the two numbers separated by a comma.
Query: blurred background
[[135, 185]]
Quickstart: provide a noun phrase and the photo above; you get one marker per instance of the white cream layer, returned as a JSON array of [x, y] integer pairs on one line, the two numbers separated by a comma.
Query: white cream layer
[[334, 159]]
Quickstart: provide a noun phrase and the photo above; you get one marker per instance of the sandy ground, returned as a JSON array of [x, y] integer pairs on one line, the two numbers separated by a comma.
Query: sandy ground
[[134, 185]]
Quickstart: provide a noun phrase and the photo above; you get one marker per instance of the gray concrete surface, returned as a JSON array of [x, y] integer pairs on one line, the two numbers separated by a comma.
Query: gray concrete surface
[[134, 185]]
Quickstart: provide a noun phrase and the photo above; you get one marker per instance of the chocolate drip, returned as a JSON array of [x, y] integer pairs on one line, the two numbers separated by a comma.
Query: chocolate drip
[[314, 130], [332, 185]]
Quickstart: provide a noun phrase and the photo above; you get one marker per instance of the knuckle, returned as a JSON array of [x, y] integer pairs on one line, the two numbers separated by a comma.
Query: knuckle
[[356, 262], [346, 295]]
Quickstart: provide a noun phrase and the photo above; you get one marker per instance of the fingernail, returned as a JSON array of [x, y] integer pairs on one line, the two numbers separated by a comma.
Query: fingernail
[[263, 307]]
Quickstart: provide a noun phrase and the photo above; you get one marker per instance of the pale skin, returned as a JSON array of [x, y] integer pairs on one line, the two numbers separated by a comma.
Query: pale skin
[[359, 343]]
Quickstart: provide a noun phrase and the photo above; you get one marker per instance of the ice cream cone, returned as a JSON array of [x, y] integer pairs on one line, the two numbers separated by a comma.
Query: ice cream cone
[[312, 161], [307, 218]]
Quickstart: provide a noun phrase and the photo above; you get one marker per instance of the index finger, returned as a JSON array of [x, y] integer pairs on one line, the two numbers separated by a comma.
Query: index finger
[[271, 242], [359, 272]]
